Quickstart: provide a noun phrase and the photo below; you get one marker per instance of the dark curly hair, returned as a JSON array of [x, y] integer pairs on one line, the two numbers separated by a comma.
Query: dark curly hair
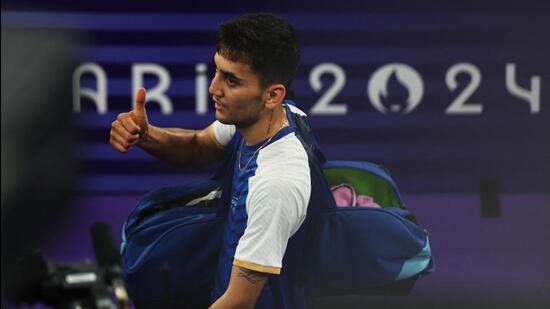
[[265, 42]]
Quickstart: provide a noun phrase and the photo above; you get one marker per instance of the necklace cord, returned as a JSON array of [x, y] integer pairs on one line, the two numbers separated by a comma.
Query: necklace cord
[[242, 169]]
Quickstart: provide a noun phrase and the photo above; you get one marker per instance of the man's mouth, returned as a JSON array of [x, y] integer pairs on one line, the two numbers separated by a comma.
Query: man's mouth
[[217, 104]]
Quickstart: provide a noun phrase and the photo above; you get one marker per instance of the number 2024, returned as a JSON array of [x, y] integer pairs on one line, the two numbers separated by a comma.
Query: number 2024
[[459, 106]]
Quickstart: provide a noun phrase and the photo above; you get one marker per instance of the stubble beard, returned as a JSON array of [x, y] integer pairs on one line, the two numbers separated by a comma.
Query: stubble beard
[[253, 117]]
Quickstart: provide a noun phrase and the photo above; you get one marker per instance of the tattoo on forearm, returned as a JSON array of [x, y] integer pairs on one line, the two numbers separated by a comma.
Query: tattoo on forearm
[[251, 275]]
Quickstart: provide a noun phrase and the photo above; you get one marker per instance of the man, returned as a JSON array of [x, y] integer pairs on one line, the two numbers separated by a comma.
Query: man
[[256, 60]]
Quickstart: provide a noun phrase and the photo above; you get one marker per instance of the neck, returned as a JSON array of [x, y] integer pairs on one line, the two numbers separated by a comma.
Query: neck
[[268, 125]]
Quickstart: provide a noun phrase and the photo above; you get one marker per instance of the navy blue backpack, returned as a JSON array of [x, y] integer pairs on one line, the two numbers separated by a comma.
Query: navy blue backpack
[[173, 237]]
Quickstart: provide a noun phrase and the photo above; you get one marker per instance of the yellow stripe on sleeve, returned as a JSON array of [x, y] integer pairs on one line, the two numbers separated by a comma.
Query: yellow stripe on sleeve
[[256, 267]]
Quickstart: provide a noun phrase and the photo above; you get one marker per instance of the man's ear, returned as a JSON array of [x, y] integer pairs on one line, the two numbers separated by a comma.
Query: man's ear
[[275, 95]]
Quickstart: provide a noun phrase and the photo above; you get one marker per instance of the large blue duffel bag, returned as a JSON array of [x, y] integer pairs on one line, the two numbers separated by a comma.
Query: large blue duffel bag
[[173, 237]]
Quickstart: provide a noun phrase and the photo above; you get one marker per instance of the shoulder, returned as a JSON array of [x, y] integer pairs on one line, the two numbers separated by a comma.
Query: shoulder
[[283, 170], [285, 156], [295, 110], [222, 133]]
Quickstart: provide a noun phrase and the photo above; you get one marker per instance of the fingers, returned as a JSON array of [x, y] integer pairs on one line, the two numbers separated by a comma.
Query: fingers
[[128, 123], [124, 132], [117, 144]]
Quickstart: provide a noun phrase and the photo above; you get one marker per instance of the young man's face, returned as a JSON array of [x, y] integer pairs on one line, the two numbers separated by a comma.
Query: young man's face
[[236, 92]]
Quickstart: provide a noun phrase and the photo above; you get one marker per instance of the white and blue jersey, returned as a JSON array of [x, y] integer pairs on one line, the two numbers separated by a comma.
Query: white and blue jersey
[[268, 205]]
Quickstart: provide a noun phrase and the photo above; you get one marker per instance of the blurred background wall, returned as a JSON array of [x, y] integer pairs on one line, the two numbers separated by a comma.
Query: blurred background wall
[[451, 97]]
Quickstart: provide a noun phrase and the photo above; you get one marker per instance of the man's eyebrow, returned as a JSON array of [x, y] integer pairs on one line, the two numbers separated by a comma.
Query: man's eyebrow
[[231, 75], [227, 73]]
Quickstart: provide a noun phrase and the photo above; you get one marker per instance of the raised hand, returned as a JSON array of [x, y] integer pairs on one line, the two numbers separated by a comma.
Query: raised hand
[[131, 127]]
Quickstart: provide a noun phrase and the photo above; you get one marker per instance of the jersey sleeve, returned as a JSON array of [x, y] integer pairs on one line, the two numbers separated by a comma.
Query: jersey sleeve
[[276, 208], [222, 133]]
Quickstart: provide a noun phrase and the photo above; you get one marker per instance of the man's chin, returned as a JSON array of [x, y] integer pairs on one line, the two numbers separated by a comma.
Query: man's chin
[[226, 120], [221, 118]]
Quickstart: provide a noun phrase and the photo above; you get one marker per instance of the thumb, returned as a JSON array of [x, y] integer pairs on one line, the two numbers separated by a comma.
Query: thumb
[[139, 109]]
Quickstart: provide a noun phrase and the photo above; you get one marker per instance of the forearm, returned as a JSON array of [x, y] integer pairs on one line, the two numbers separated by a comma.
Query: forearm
[[229, 302], [177, 147], [244, 289]]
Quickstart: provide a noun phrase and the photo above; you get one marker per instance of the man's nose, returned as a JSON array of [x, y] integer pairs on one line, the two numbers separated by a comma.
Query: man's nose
[[215, 89]]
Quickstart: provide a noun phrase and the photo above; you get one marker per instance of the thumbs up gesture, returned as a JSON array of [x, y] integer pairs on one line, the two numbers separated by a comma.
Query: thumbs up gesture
[[131, 127]]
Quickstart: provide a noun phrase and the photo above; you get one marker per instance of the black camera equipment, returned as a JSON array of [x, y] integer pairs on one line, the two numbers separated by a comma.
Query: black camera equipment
[[78, 285]]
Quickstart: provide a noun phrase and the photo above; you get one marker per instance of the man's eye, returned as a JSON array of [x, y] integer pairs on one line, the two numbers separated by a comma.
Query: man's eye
[[231, 82]]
